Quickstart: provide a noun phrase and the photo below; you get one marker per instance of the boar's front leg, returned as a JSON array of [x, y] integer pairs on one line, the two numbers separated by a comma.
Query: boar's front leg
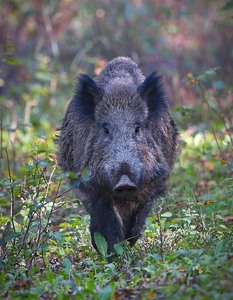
[[105, 220], [137, 222]]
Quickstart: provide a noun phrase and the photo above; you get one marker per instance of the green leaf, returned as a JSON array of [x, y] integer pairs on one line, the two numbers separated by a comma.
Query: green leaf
[[207, 74], [107, 292], [101, 244], [155, 256], [51, 276], [43, 247], [11, 61], [167, 214], [43, 163], [67, 264], [11, 235], [181, 252], [90, 285], [55, 235], [3, 277], [43, 76], [3, 220], [71, 175], [119, 248], [29, 167]]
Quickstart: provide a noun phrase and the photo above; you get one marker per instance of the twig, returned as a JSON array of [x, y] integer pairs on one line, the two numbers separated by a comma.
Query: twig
[[26, 232], [161, 237], [220, 150], [63, 193], [198, 207], [51, 210], [40, 175], [40, 232], [49, 181], [12, 192], [36, 246], [219, 115]]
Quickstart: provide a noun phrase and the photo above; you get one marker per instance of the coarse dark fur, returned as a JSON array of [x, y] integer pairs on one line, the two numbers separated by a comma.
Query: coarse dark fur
[[119, 128]]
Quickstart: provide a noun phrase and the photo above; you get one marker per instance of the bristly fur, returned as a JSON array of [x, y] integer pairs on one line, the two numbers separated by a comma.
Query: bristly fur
[[119, 124], [86, 95], [152, 89]]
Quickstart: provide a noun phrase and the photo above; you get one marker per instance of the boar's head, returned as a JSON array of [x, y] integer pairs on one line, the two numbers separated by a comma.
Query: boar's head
[[126, 146]]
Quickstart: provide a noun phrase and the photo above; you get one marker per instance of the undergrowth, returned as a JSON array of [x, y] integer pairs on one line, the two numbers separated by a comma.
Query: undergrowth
[[186, 250]]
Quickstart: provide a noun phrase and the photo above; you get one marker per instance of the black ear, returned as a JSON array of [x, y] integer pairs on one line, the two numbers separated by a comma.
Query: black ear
[[87, 95], [152, 91]]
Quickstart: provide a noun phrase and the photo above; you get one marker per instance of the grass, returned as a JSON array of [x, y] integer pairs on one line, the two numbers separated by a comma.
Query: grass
[[186, 249]]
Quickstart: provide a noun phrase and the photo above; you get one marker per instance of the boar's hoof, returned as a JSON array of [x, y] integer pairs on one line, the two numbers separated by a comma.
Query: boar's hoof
[[125, 187]]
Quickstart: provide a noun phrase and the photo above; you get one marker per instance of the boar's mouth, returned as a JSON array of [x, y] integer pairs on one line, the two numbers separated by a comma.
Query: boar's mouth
[[125, 187]]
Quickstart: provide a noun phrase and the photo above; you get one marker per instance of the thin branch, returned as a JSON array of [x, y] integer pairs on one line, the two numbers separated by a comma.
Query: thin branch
[[51, 210], [40, 232], [26, 232], [12, 192], [65, 192], [161, 237], [37, 244], [219, 115], [49, 182], [220, 150], [198, 207]]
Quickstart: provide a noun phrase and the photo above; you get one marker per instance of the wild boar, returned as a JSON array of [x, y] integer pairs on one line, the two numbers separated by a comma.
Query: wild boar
[[118, 127]]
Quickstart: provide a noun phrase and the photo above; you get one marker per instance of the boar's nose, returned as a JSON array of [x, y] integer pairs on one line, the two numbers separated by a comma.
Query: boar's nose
[[125, 187]]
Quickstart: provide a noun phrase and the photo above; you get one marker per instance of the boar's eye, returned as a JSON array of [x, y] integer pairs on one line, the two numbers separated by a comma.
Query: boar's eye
[[137, 129], [105, 128]]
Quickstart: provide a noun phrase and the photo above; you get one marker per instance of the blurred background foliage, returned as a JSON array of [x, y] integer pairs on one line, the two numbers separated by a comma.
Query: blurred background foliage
[[46, 44]]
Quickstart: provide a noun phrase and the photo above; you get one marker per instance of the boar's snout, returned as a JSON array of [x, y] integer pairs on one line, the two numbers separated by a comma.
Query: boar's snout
[[125, 187]]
